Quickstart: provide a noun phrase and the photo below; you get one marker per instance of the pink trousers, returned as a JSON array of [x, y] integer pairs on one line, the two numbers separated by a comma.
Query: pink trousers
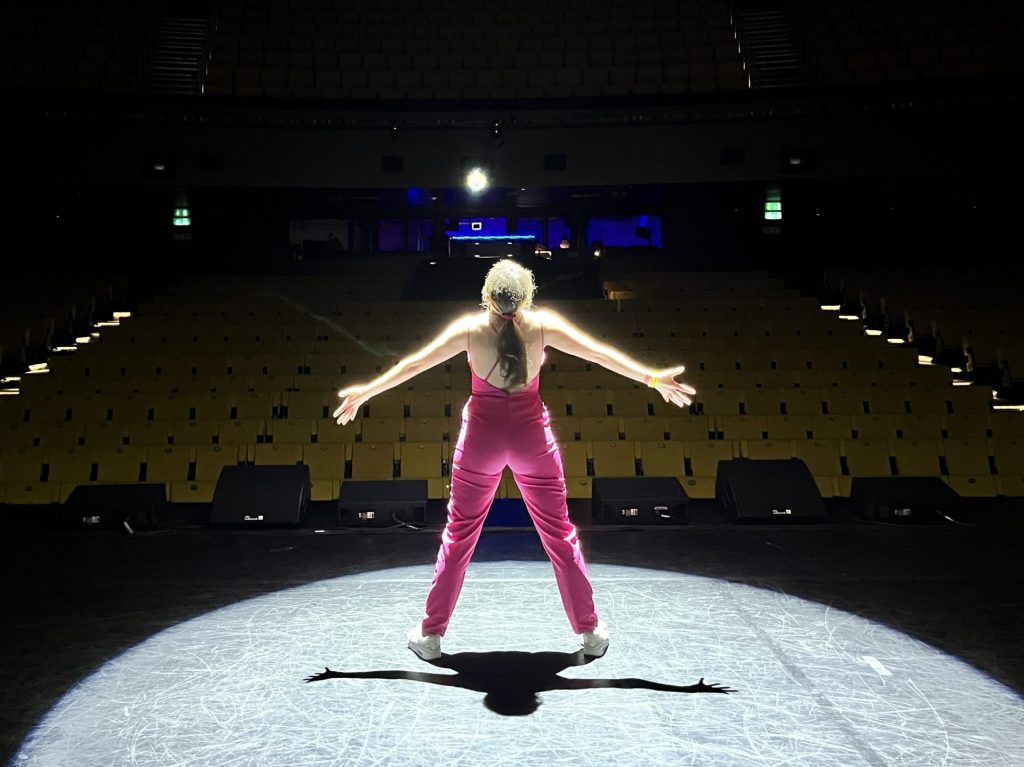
[[500, 429]]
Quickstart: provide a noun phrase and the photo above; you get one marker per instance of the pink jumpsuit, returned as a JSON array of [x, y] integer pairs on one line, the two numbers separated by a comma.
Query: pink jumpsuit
[[498, 429]]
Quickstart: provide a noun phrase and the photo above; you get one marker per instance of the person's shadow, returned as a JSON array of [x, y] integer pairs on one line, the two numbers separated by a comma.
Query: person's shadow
[[511, 681]]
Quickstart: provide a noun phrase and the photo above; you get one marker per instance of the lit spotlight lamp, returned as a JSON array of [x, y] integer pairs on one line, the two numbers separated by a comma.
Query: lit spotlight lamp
[[476, 180]]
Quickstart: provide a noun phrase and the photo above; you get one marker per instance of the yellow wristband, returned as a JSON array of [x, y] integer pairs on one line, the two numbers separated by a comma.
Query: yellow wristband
[[654, 382]]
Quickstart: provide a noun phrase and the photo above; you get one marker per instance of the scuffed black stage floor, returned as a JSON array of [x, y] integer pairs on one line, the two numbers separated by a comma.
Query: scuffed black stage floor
[[73, 601]]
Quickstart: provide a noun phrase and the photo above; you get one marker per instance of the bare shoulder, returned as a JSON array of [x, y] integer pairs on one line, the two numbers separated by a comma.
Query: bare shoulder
[[548, 317], [470, 322], [554, 322], [464, 323]]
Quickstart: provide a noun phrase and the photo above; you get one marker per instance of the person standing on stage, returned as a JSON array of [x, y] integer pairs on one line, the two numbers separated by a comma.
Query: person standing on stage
[[505, 423]]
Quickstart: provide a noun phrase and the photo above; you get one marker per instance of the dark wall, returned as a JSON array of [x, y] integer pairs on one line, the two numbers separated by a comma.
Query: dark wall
[[880, 183], [846, 135]]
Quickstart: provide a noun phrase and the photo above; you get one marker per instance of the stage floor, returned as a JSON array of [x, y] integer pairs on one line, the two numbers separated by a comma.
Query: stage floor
[[843, 644]]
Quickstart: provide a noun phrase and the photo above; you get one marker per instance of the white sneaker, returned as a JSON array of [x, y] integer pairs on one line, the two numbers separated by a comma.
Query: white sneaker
[[427, 646], [595, 643]]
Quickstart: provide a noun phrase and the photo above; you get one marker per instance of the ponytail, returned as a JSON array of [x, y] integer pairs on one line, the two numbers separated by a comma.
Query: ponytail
[[512, 353], [508, 288]]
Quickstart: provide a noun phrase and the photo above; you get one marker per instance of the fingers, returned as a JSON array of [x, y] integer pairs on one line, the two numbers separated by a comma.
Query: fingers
[[680, 398], [346, 411]]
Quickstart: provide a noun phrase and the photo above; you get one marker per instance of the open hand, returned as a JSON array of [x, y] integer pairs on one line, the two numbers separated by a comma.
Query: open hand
[[352, 400], [679, 394], [714, 687], [326, 674]]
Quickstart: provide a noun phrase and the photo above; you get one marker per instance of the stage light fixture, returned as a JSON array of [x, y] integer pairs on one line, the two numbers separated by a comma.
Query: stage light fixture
[[476, 180]]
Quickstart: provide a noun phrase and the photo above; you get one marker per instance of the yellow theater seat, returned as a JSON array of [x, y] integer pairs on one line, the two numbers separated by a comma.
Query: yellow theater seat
[[194, 433], [290, 430], [168, 464], [688, 427], [432, 429], [574, 457], [742, 426], [381, 428], [278, 454], [867, 458], [421, 460], [967, 456], [21, 470], [210, 459], [602, 428], [310, 404], [660, 458], [118, 464], [614, 458], [917, 457], [646, 427], [427, 403], [766, 449], [704, 455], [373, 460]]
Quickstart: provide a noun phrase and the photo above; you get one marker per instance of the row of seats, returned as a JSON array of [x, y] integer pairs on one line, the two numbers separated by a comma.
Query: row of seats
[[975, 311], [445, 428], [407, 17], [45, 475], [31, 312], [342, 335], [425, 403], [894, 64], [621, 79], [355, 51], [198, 360], [323, 386], [94, 46], [866, 42], [859, 395], [646, 49]]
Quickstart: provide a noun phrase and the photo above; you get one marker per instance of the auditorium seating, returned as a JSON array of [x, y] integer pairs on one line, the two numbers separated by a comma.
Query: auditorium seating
[[396, 50], [212, 374], [460, 50], [873, 41], [36, 315], [976, 313], [70, 46]]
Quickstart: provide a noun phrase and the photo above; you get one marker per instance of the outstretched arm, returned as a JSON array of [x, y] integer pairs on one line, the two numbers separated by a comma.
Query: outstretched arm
[[448, 343], [562, 334]]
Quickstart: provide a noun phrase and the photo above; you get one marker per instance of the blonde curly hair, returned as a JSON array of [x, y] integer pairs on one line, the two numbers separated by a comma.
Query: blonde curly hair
[[510, 287]]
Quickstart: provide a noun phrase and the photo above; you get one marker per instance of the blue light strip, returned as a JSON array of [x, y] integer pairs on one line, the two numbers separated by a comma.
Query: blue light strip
[[492, 237]]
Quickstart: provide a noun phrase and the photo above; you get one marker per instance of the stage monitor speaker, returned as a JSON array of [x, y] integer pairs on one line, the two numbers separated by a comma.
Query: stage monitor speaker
[[638, 500], [905, 500], [382, 503], [127, 507], [763, 491], [261, 496]]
